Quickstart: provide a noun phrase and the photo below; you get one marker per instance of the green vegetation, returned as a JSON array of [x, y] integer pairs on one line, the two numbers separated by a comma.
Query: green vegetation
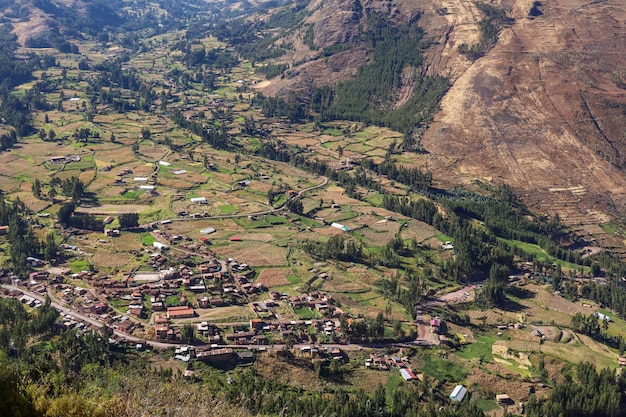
[[481, 349], [489, 26], [148, 240], [394, 51], [441, 369]]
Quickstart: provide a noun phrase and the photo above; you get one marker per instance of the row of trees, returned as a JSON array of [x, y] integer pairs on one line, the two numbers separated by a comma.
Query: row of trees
[[337, 247], [596, 394]]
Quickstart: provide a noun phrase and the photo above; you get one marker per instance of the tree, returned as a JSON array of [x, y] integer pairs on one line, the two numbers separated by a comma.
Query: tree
[[295, 206], [37, 188], [50, 247], [270, 195], [128, 220], [188, 333], [65, 214], [145, 133]]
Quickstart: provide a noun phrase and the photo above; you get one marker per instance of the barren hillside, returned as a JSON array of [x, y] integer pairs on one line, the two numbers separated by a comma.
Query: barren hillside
[[543, 110]]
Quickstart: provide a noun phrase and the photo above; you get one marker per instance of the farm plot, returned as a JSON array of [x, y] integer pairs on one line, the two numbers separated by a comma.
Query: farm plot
[[335, 194], [14, 166], [113, 209], [419, 231], [380, 233], [254, 253], [273, 277], [183, 181], [117, 156], [105, 259], [221, 314]]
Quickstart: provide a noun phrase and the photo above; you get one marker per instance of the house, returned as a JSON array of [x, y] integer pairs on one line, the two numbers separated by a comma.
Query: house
[[111, 232], [458, 393], [340, 227], [622, 361], [34, 262], [407, 374], [38, 276], [256, 324], [435, 324], [602, 317], [161, 331], [126, 326], [216, 355], [181, 312], [4, 230], [504, 400], [99, 308], [160, 246]]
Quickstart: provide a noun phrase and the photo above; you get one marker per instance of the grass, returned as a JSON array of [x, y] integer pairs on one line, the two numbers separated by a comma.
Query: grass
[[228, 209], [306, 313], [172, 300], [394, 381], [80, 265], [485, 404], [293, 279], [540, 254], [444, 238], [480, 349], [441, 369], [333, 132], [148, 240]]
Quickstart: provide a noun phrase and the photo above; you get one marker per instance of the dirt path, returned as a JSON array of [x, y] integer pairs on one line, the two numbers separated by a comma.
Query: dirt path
[[406, 87]]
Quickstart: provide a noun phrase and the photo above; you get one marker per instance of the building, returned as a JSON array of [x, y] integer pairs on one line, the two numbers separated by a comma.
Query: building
[[160, 246], [435, 324], [504, 400], [216, 355], [340, 227], [458, 393], [199, 200], [181, 312], [407, 374]]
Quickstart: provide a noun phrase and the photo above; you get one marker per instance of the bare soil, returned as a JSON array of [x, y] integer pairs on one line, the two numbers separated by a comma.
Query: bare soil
[[273, 277]]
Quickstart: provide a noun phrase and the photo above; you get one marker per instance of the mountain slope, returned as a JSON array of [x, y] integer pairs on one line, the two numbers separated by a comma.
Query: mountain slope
[[542, 109], [542, 112]]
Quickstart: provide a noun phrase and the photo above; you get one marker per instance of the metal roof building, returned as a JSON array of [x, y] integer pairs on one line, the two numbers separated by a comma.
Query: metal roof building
[[458, 393]]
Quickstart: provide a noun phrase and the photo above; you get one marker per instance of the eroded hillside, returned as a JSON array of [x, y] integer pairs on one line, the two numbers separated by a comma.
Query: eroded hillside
[[542, 110]]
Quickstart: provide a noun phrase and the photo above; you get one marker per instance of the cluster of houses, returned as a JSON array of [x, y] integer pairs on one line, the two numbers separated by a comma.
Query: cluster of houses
[[387, 362], [64, 159]]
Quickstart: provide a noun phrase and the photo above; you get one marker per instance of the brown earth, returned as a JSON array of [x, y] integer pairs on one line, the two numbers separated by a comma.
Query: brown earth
[[542, 111], [273, 277]]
